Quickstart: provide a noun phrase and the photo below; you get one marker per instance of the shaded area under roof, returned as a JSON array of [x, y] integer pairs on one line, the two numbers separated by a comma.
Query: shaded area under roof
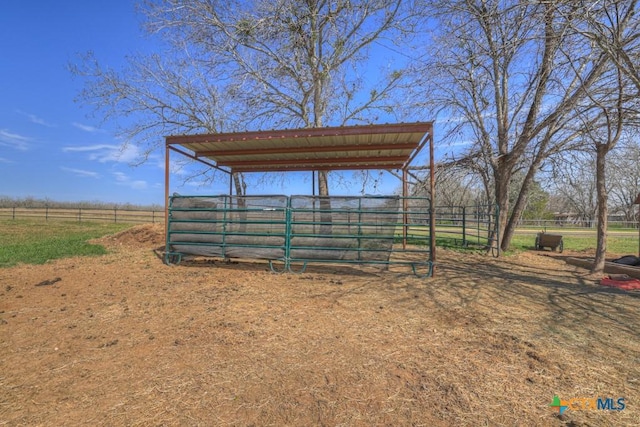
[[389, 146]]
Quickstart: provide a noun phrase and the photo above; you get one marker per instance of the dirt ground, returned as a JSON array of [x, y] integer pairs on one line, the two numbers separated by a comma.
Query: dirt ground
[[123, 339]]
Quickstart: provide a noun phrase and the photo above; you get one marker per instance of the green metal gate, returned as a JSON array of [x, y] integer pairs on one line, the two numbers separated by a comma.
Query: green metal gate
[[293, 231]]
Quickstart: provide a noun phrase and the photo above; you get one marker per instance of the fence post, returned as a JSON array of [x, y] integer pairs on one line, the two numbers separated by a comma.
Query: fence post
[[464, 226], [480, 217], [497, 225], [46, 213], [153, 216], [79, 214], [115, 214], [14, 213]]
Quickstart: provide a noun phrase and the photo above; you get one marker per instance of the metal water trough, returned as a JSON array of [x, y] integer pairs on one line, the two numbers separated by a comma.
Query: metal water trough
[[552, 241]]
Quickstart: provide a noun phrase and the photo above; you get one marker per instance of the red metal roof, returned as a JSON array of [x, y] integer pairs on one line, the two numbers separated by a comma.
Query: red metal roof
[[390, 146]]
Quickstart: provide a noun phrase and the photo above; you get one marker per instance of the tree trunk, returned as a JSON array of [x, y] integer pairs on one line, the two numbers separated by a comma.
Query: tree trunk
[[241, 189], [240, 185], [602, 197], [502, 179], [518, 207], [325, 202]]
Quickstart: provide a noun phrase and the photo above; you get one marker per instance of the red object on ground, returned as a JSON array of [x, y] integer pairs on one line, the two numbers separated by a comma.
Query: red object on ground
[[621, 281]]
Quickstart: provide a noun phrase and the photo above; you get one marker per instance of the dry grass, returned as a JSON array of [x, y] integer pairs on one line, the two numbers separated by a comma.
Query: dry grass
[[125, 340]]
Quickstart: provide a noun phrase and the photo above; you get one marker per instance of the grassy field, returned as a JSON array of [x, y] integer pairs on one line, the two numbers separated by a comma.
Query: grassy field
[[578, 240], [36, 242], [615, 244]]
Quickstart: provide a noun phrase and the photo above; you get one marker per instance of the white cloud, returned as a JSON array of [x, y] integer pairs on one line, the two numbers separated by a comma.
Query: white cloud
[[3, 160], [120, 176], [13, 140], [176, 167], [462, 143], [37, 120], [124, 179], [105, 153], [139, 185], [81, 172], [91, 147], [198, 184], [86, 128]]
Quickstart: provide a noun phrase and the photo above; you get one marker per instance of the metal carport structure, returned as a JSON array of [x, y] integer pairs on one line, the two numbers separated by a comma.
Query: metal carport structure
[[368, 147]]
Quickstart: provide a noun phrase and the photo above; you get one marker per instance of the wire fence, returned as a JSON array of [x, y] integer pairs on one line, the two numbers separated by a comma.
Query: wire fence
[[133, 216]]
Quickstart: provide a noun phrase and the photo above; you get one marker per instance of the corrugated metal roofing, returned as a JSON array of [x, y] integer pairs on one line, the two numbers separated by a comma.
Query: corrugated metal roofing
[[349, 147]]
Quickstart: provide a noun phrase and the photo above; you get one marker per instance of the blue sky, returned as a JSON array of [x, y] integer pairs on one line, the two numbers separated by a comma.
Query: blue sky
[[50, 146]]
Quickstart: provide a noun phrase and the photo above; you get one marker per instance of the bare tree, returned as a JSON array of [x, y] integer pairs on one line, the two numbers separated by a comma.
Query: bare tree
[[512, 74], [238, 65], [573, 182], [604, 136], [624, 171], [456, 187], [158, 95], [457, 184], [291, 62], [614, 29]]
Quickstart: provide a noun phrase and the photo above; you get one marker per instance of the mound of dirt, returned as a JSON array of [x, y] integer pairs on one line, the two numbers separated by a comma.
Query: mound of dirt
[[139, 236]]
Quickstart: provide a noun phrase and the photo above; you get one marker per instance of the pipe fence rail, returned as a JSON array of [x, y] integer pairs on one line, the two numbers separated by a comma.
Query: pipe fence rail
[[448, 217], [577, 224], [80, 214], [473, 225]]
